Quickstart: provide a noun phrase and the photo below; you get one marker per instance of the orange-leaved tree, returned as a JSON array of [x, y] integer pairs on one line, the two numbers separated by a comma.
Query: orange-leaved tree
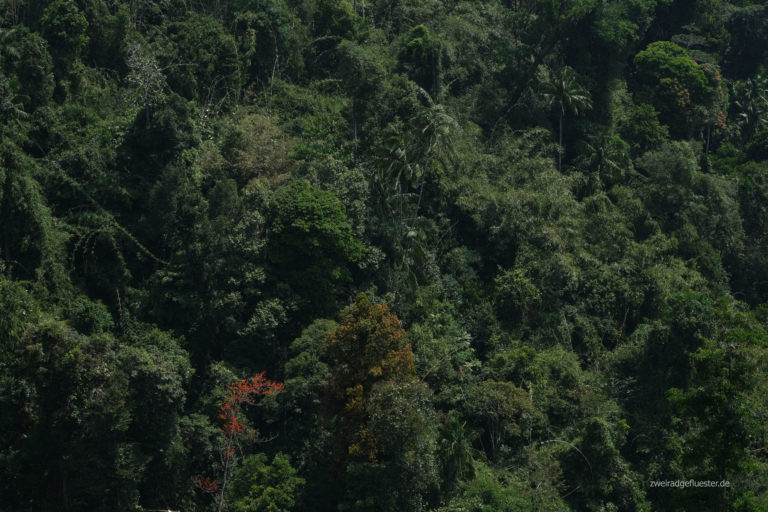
[[368, 348], [381, 415], [235, 430]]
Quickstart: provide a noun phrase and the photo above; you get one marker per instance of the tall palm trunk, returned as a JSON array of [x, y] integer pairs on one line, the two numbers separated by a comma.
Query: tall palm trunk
[[560, 150]]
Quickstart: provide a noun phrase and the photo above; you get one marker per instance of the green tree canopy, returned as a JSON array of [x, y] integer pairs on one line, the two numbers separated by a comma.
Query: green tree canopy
[[311, 245]]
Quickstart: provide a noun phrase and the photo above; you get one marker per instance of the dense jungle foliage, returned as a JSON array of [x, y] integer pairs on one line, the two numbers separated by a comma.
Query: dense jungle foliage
[[369, 255]]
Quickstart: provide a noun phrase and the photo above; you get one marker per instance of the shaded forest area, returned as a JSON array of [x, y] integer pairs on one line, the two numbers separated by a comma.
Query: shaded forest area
[[350, 255]]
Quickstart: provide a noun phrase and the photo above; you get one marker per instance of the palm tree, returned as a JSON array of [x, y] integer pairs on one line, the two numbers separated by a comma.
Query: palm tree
[[562, 90], [11, 102], [750, 105], [457, 451], [606, 157], [6, 43], [426, 148]]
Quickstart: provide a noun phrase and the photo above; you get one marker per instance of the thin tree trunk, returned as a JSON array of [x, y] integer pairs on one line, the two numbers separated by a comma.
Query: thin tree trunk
[[225, 478], [6, 245], [354, 129], [5, 209], [421, 191], [560, 150]]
